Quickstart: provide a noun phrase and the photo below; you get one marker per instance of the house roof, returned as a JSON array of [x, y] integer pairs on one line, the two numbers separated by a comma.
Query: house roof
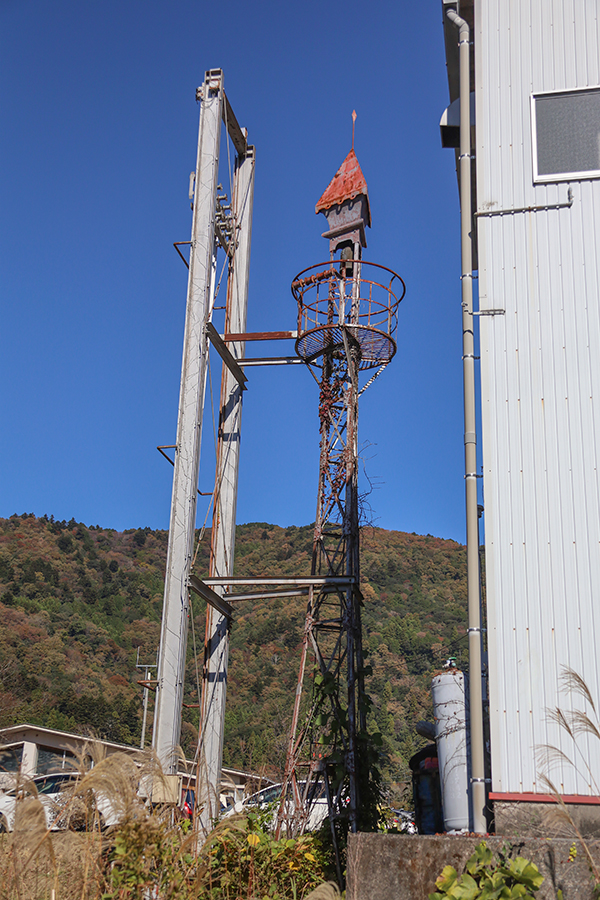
[[347, 183], [65, 740]]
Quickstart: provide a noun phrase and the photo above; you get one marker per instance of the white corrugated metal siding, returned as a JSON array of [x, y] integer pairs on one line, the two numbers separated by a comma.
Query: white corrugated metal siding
[[540, 372]]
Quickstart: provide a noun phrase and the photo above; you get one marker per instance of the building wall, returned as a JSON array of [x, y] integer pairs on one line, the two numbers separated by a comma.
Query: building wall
[[540, 384]]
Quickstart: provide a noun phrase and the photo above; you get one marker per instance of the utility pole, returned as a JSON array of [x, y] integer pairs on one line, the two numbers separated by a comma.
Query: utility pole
[[146, 684], [175, 618], [216, 646], [213, 228]]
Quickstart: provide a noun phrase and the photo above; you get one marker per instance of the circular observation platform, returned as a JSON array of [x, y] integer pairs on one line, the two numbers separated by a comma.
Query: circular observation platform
[[350, 296]]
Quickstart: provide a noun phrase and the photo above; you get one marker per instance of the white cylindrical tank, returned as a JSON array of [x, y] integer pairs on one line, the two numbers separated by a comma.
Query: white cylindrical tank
[[449, 709]]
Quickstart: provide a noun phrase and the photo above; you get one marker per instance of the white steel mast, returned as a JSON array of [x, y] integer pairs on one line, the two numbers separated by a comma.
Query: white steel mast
[[216, 648], [175, 618]]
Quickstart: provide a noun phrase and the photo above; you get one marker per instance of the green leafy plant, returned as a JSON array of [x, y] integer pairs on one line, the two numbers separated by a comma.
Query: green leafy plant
[[147, 854], [242, 858], [486, 878]]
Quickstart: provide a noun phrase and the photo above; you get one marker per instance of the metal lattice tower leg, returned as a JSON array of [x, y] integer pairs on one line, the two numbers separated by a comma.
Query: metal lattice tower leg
[[333, 627]]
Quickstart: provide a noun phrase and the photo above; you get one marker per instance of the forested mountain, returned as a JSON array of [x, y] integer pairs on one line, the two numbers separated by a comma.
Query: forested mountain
[[77, 602]]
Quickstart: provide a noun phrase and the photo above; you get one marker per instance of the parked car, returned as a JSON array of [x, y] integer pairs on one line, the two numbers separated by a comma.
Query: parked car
[[55, 793], [401, 820], [270, 798]]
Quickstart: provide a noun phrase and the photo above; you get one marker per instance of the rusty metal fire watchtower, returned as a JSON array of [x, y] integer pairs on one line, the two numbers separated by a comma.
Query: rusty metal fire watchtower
[[347, 317]]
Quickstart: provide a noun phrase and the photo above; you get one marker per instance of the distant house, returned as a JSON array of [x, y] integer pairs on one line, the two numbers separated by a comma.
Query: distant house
[[32, 750]]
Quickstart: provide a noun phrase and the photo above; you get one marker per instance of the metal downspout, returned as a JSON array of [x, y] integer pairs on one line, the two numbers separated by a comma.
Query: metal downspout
[[478, 799]]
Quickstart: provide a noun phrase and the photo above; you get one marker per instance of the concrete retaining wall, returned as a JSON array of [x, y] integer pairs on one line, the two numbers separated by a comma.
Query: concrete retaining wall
[[404, 867]]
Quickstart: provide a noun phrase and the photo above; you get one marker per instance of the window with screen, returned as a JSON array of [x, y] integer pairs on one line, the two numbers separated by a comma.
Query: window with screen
[[566, 135]]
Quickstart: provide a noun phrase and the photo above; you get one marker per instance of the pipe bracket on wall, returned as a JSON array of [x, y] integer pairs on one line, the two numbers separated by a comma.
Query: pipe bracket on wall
[[483, 213]]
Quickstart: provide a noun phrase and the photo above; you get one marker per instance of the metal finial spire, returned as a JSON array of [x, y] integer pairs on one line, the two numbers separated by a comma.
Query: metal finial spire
[[353, 122]]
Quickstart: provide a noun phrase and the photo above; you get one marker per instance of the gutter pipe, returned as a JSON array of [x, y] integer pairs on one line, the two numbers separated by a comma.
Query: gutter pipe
[[477, 780]]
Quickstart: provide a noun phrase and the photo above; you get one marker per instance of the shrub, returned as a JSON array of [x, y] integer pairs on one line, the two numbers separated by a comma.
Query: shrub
[[241, 858], [488, 879]]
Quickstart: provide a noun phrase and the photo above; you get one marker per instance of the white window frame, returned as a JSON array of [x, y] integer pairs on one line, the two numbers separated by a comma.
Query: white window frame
[[551, 178]]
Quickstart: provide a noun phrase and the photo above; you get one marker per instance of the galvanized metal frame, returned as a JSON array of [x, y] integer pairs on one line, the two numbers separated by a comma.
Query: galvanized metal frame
[[174, 630], [209, 230], [233, 382]]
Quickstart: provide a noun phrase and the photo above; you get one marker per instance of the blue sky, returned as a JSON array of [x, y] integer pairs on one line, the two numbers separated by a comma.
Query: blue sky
[[99, 137]]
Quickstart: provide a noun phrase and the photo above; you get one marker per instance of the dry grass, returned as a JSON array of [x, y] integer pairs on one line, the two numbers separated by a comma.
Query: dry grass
[[64, 865], [37, 863], [149, 853], [573, 722]]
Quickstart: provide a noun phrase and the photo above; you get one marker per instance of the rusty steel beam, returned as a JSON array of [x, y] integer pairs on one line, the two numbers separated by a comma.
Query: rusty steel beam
[[268, 595], [317, 580], [177, 245], [229, 360], [212, 598], [161, 449], [261, 336], [272, 361]]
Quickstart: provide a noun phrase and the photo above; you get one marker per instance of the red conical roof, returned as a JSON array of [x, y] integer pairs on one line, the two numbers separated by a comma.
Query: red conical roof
[[347, 183]]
